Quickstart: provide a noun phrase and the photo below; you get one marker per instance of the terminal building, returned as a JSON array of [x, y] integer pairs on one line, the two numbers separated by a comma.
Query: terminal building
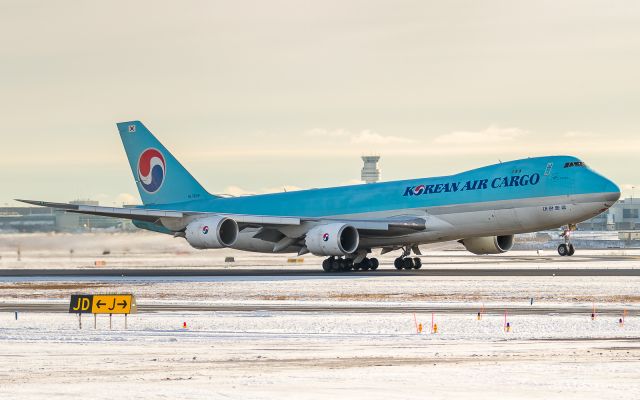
[[622, 216]]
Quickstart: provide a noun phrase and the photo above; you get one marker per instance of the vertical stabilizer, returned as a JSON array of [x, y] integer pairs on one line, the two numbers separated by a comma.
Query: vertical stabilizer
[[161, 179]]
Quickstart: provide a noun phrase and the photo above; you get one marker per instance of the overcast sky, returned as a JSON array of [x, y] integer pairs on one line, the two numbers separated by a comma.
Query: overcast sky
[[253, 96]]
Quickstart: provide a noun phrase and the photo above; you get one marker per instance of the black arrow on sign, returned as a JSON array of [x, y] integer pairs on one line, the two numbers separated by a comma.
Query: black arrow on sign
[[123, 304], [99, 303]]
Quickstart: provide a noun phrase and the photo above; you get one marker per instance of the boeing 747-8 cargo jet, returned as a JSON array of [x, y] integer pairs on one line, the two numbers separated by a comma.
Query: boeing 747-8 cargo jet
[[482, 208]]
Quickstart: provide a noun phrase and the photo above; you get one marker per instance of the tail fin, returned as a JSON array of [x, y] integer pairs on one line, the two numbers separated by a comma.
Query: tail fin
[[160, 177]]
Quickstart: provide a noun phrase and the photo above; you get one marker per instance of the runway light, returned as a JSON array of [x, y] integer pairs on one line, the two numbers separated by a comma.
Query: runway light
[[184, 325], [504, 326], [481, 312], [435, 328], [420, 327], [508, 327]]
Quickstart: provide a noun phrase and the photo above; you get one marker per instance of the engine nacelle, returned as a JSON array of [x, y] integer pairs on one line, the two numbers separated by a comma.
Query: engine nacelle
[[489, 244], [332, 240], [212, 233]]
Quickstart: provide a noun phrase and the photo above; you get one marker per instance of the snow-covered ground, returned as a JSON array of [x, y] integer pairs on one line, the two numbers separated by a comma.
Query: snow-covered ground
[[309, 355], [293, 355]]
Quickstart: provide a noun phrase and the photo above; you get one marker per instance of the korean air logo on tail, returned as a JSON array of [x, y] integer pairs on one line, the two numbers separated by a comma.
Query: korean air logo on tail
[[152, 170]]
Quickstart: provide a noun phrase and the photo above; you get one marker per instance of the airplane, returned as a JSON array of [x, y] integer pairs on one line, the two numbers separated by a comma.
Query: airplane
[[482, 209]]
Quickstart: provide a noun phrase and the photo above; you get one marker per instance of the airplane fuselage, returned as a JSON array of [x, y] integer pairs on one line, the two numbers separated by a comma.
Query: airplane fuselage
[[508, 198]]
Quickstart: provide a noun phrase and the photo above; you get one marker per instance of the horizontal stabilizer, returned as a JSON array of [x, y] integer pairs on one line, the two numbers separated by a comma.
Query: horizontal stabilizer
[[126, 213]]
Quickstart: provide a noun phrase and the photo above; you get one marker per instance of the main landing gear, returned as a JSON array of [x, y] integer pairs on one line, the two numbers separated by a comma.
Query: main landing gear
[[339, 264], [566, 248], [406, 262]]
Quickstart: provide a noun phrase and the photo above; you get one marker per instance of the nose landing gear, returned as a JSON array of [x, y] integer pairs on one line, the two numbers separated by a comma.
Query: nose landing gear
[[566, 248]]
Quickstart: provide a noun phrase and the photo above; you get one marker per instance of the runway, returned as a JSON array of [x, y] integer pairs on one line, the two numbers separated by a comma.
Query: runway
[[50, 307], [72, 273]]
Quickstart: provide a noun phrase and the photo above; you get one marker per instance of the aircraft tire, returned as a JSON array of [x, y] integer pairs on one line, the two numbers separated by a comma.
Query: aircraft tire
[[408, 263], [349, 264], [417, 263], [398, 263], [572, 250], [563, 250], [374, 264], [326, 265]]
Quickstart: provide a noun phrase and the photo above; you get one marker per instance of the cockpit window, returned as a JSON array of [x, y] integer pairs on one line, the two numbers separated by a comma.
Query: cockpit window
[[575, 164]]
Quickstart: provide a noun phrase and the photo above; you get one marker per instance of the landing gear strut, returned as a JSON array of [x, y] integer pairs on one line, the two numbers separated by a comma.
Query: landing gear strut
[[406, 262], [566, 248]]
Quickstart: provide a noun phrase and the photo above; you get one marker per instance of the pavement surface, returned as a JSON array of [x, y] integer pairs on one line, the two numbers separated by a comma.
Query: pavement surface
[[267, 272]]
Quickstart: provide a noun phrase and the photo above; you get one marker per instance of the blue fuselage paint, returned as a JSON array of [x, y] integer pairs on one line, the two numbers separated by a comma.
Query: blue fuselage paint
[[537, 177]]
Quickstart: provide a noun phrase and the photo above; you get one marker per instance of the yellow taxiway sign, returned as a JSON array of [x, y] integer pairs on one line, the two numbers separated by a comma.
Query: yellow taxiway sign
[[102, 304]]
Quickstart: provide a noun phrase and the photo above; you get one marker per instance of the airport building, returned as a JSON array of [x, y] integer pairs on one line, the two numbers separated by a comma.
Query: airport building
[[622, 216], [45, 219]]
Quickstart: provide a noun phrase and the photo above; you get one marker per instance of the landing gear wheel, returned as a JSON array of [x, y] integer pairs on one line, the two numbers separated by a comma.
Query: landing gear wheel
[[343, 265], [408, 263], [417, 262], [398, 263], [572, 250], [335, 264], [326, 265], [374, 264], [365, 264], [563, 250]]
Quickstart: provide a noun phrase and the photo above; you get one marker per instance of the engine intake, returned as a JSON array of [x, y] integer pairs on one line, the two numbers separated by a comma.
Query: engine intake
[[212, 233], [488, 244], [332, 240]]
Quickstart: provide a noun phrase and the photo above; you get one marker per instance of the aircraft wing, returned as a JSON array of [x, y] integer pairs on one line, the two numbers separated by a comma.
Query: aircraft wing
[[175, 218]]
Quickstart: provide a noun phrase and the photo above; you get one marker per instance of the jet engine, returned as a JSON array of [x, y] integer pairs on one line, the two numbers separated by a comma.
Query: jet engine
[[332, 240], [212, 232], [488, 244]]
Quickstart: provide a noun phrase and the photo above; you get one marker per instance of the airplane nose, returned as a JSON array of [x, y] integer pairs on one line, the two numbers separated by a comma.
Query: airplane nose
[[610, 190]]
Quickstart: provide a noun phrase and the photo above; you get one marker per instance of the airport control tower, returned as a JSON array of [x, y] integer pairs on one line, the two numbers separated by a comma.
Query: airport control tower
[[370, 172]]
